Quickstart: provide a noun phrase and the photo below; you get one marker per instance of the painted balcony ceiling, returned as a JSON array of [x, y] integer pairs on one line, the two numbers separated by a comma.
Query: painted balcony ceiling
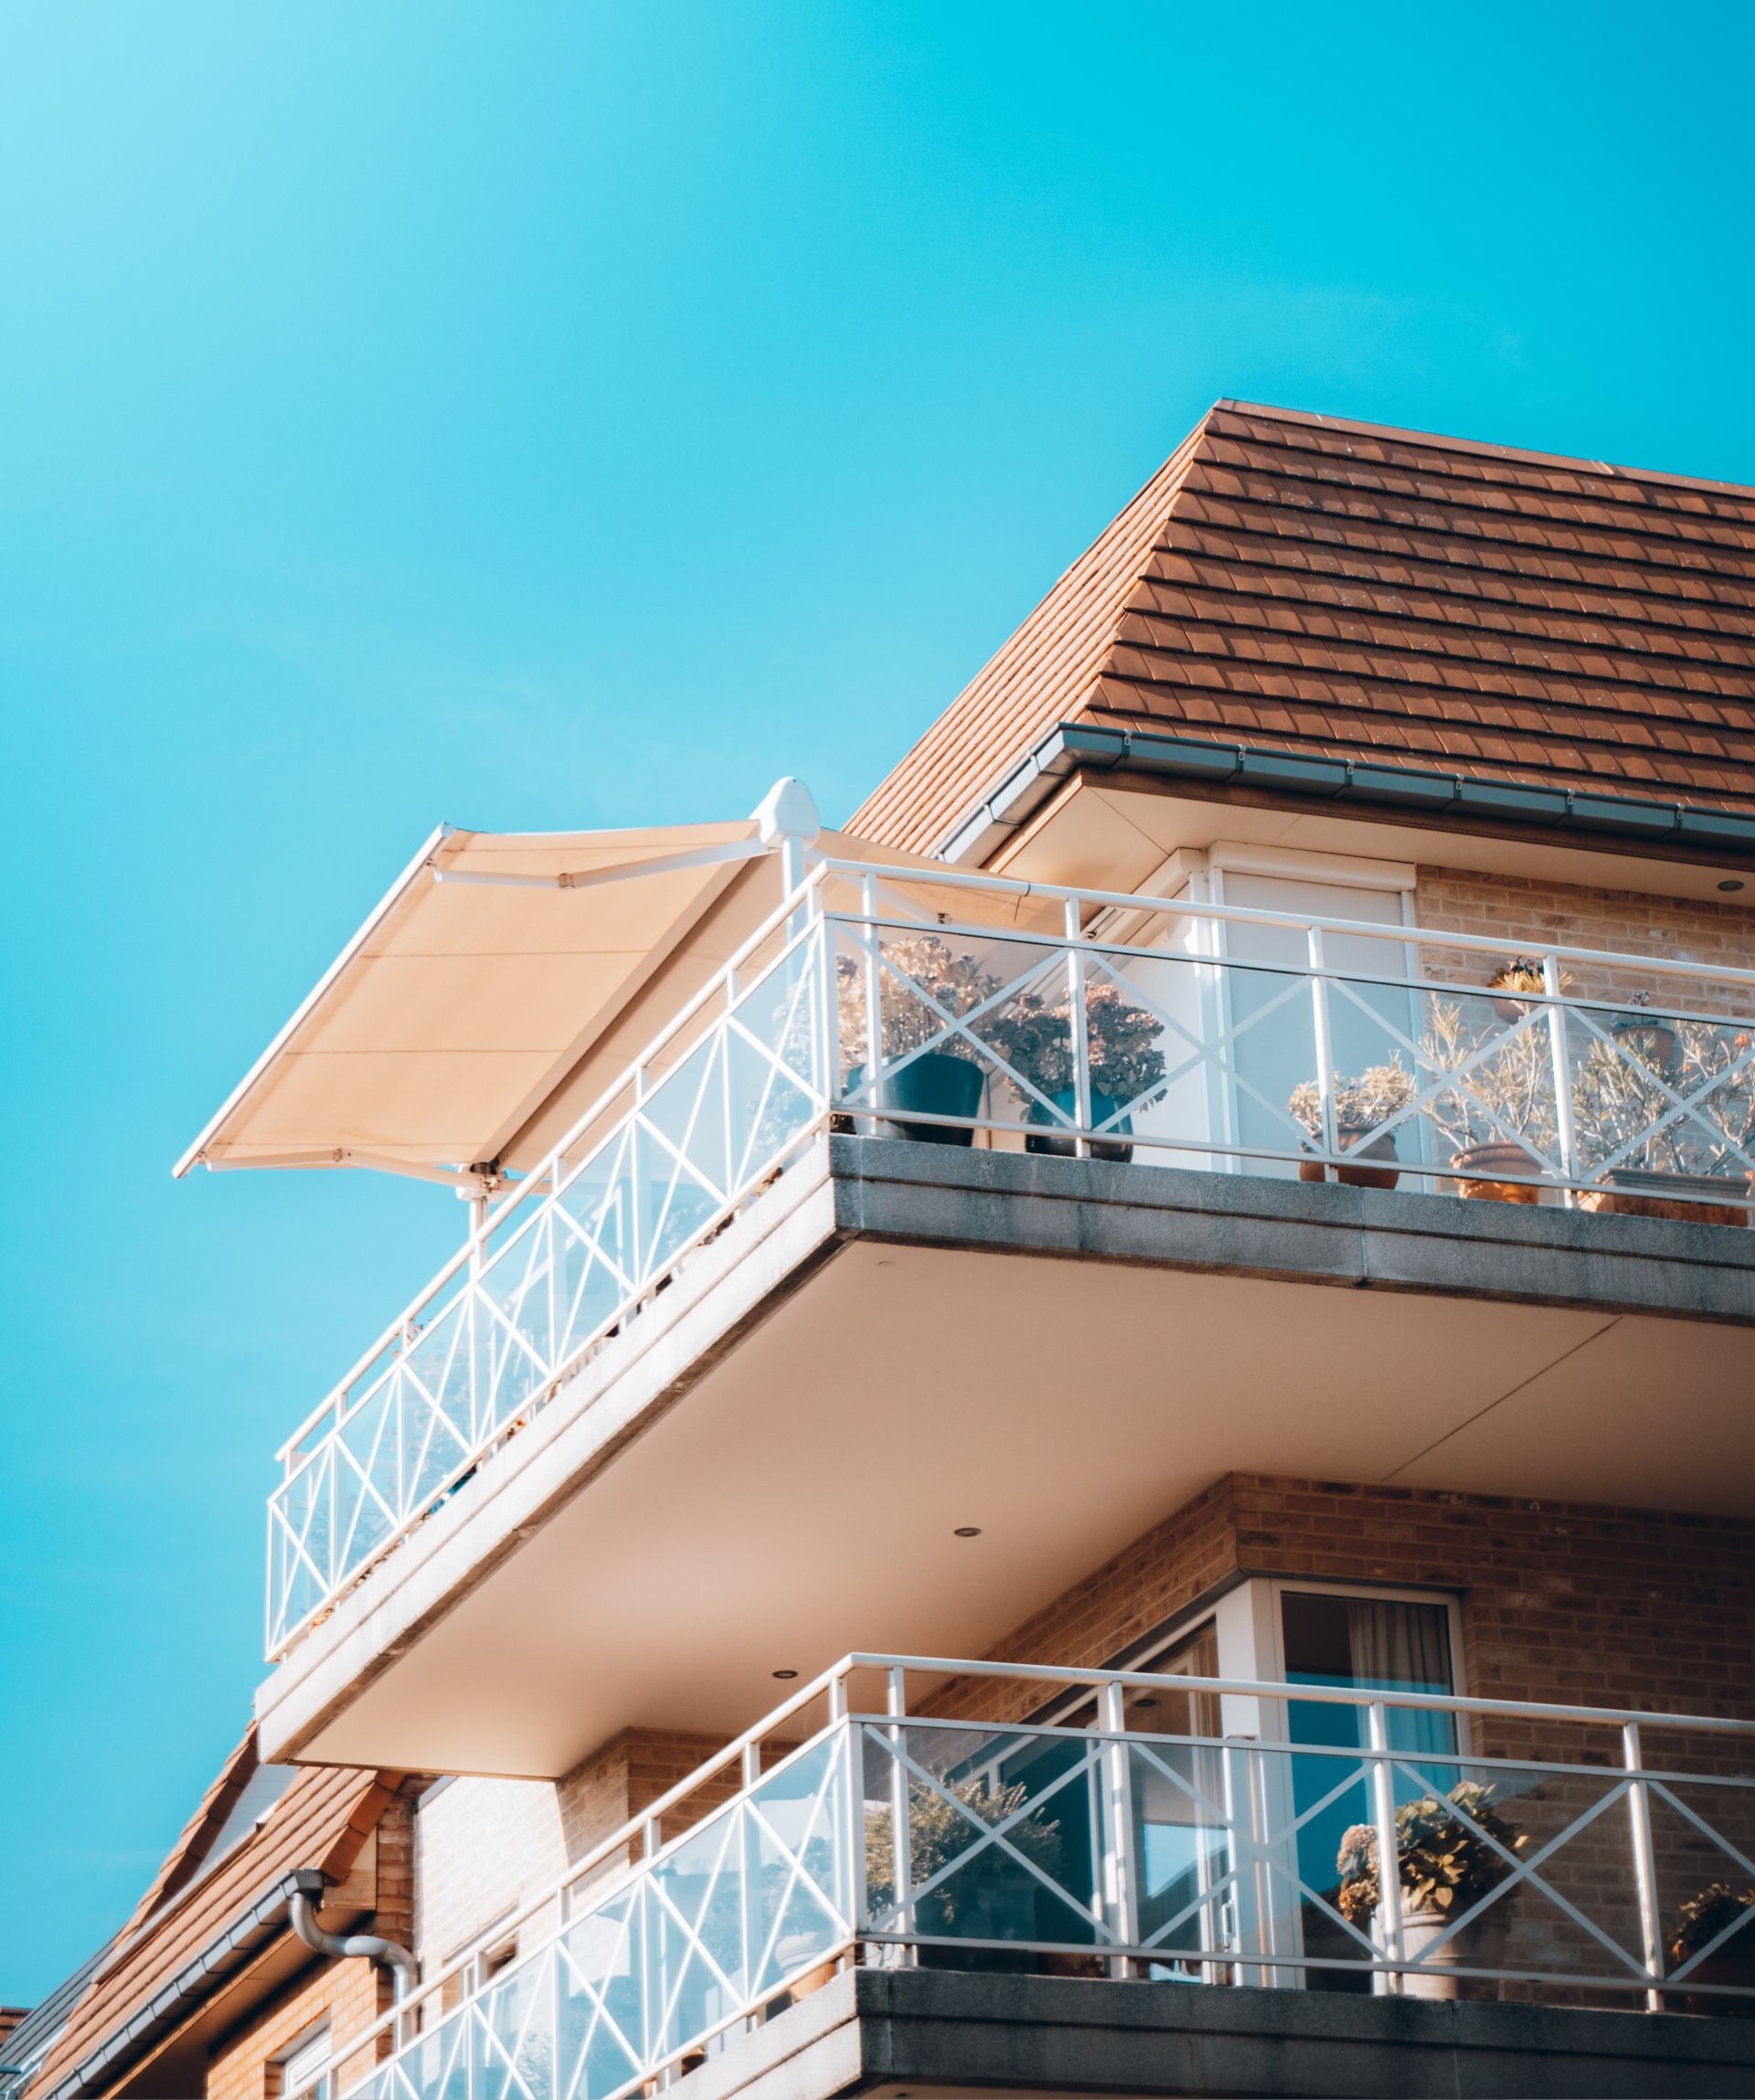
[[1337, 588]]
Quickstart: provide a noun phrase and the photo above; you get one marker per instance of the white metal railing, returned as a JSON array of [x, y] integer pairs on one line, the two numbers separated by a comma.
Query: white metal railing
[[903, 1830], [949, 1004]]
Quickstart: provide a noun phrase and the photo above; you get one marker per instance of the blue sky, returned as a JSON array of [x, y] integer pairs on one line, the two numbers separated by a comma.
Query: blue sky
[[551, 415]]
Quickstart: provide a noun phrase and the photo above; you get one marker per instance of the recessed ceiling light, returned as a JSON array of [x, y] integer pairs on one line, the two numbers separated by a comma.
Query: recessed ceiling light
[[785, 1673], [1732, 884], [967, 1532]]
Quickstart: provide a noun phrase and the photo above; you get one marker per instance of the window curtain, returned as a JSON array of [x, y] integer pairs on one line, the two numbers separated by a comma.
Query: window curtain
[[1404, 1648]]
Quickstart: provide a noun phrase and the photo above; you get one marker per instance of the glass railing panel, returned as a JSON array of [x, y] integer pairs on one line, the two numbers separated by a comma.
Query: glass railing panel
[[597, 1247], [1001, 1841], [600, 2036], [796, 1864], [434, 1400]]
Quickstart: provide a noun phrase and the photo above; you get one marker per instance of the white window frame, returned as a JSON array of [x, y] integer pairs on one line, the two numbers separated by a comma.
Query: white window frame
[[307, 2067]]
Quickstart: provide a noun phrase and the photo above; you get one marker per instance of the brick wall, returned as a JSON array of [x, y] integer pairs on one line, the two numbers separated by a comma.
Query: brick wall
[[1526, 911], [349, 1995], [1560, 1601], [484, 1848]]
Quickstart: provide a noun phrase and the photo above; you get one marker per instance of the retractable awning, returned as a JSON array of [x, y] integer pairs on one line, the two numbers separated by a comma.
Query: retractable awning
[[500, 968]]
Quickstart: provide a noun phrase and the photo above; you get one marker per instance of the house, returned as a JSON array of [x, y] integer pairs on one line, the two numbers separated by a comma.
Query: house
[[1036, 1388], [208, 1987]]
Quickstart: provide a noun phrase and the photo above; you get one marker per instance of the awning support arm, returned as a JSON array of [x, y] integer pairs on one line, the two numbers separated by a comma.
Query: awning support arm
[[473, 1186]]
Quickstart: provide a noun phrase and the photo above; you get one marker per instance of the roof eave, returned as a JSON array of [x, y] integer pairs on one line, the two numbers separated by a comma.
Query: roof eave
[[1623, 822]]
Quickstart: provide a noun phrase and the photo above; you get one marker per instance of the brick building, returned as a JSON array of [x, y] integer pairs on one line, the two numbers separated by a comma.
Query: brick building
[[965, 1576]]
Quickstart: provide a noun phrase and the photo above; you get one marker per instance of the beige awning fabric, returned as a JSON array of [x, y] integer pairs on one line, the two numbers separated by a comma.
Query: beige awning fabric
[[470, 1021]]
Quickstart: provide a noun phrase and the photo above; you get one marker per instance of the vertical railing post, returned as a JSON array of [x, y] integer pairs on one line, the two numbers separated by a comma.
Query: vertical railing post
[[1565, 1134], [1383, 1816], [1639, 1809], [874, 998], [853, 1806], [732, 1162], [636, 1153], [1081, 1032], [1325, 1044], [902, 1848], [1121, 1878], [552, 1203], [1245, 1820]]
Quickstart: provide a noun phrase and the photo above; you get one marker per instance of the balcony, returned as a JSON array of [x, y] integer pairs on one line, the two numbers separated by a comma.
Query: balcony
[[1243, 1051], [1546, 1855]]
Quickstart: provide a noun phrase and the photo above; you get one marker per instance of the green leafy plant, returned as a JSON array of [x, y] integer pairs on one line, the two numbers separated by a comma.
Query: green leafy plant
[[1378, 1093], [938, 1832], [1444, 1865], [1033, 1036], [1704, 1916], [956, 981]]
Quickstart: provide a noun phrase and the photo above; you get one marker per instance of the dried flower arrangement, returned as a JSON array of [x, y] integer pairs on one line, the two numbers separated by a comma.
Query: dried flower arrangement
[[956, 981], [1507, 1097], [1622, 1105], [1378, 1093], [1033, 1036]]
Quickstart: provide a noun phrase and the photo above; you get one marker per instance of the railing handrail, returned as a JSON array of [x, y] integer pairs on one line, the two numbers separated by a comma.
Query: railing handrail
[[1259, 1687], [1331, 973], [831, 1684], [1486, 944]]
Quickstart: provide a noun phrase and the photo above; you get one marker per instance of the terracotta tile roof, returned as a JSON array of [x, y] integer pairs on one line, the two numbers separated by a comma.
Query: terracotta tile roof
[[1321, 586], [322, 1820]]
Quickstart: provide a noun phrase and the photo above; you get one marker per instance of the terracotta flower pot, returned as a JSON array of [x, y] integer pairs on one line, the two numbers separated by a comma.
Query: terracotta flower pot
[[1679, 1197], [1378, 1147], [1651, 1041], [1734, 1966], [1484, 1164]]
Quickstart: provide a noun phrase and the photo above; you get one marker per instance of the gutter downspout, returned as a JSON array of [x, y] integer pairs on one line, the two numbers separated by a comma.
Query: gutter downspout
[[308, 1888]]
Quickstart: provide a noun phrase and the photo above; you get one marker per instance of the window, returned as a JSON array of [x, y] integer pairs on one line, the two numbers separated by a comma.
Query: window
[[305, 2070], [1365, 1642]]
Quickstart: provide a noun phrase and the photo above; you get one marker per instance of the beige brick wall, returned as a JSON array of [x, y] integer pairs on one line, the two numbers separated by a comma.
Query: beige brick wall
[[1564, 1602], [1527, 912], [484, 1848], [349, 1995]]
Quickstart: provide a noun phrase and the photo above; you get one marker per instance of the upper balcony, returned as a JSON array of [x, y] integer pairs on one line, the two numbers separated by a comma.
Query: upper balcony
[[1502, 1117]]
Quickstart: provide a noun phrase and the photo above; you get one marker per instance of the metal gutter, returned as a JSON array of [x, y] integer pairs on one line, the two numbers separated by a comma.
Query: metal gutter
[[1626, 819], [218, 1962]]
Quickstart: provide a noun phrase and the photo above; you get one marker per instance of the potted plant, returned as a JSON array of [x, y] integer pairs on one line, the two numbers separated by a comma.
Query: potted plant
[[1649, 1036], [1669, 1165], [1703, 1918], [1033, 1036], [992, 1897], [1502, 1092], [1517, 973], [1360, 1105], [1445, 1866], [945, 1081]]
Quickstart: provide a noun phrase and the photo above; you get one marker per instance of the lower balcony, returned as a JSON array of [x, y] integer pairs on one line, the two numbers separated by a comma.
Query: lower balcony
[[1110, 1828]]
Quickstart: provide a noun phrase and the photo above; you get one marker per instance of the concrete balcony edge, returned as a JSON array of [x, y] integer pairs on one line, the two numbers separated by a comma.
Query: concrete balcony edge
[[954, 2031], [1257, 1224]]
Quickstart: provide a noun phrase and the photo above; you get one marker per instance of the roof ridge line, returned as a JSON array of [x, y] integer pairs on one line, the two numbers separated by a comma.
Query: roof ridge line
[[1481, 447]]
